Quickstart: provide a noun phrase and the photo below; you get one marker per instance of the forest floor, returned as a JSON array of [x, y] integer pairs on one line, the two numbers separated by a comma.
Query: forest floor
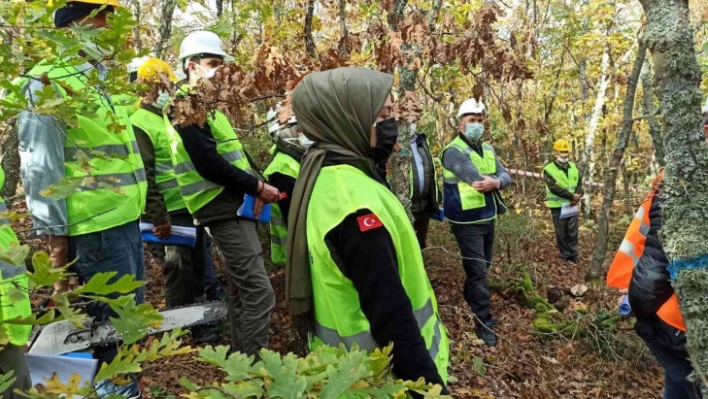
[[591, 362], [589, 358]]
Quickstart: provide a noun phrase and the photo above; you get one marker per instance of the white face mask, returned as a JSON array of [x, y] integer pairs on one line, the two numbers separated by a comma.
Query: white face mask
[[562, 159], [162, 100], [207, 73], [304, 141]]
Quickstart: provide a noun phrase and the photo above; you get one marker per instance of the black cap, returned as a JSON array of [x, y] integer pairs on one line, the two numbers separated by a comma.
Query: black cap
[[74, 11]]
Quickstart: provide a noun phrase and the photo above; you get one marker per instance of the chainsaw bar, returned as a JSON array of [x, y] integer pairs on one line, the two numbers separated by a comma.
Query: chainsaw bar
[[63, 336]]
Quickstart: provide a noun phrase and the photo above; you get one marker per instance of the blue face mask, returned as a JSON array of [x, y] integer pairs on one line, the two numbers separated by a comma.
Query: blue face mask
[[474, 131]]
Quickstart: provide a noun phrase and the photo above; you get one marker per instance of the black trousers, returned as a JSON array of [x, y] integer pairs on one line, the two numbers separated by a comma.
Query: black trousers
[[184, 268], [421, 223], [566, 235], [476, 242]]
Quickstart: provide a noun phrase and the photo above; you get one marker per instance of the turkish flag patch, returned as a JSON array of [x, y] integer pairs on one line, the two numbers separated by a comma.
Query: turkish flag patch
[[369, 222]]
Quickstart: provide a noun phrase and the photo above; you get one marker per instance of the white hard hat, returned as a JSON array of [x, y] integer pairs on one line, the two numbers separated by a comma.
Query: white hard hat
[[136, 63], [201, 42], [471, 106], [704, 110]]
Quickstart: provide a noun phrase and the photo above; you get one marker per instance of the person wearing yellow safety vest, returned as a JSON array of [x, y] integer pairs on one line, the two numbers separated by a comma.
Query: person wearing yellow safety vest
[[13, 281], [290, 146], [425, 193], [97, 225], [640, 269], [354, 270], [184, 267], [563, 186], [214, 175], [472, 179]]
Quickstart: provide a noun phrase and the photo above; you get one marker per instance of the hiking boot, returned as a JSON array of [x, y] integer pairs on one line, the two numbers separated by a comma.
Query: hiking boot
[[485, 333]]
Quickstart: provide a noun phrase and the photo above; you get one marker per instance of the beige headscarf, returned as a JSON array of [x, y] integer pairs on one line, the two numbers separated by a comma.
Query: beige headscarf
[[336, 109]]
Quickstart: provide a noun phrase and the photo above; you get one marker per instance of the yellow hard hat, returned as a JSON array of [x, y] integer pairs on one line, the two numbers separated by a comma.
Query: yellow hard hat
[[113, 3], [153, 67], [561, 145]]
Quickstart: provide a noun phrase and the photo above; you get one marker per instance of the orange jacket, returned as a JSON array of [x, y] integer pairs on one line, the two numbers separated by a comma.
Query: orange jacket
[[632, 249]]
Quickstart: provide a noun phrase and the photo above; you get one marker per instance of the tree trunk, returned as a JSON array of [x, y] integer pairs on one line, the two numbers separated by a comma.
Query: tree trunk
[[598, 256], [309, 41], [165, 28], [219, 8], [137, 13], [685, 195], [589, 156], [343, 24], [10, 162], [648, 109]]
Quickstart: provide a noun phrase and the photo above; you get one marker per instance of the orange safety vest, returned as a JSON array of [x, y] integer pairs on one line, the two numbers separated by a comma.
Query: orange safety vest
[[632, 248]]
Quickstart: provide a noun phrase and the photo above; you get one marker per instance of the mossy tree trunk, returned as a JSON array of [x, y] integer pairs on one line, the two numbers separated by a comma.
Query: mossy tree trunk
[[685, 199]]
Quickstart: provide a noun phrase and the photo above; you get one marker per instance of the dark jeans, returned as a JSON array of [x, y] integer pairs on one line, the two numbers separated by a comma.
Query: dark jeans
[[566, 235], [184, 268], [676, 369], [250, 296], [420, 224], [12, 358], [118, 249], [476, 242], [668, 345]]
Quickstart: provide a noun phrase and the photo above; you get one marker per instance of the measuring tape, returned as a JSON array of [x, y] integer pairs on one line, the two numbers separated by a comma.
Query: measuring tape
[[585, 182]]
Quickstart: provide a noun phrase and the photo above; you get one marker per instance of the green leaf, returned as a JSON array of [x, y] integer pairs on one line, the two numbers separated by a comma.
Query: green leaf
[[15, 254], [133, 321], [350, 369], [286, 383], [44, 273], [119, 366], [188, 385], [65, 188], [48, 317], [237, 365], [99, 284], [6, 380], [245, 389], [61, 301], [479, 367]]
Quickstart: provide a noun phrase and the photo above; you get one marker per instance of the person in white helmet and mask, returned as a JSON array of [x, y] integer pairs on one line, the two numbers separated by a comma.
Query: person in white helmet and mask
[[472, 179], [290, 146], [214, 174]]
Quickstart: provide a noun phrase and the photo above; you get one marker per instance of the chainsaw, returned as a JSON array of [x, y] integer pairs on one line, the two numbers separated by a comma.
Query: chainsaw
[[63, 336]]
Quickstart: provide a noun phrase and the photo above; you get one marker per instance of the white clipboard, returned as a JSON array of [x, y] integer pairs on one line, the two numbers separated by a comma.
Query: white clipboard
[[568, 211]]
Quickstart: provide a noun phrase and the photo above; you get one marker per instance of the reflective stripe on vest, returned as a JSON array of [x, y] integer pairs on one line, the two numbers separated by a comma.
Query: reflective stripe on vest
[[13, 284], [97, 205], [632, 249], [286, 165], [195, 190], [567, 182], [340, 191], [365, 340], [463, 203], [154, 127]]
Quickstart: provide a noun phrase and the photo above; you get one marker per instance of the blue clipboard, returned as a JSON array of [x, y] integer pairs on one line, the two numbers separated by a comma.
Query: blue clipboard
[[246, 210], [439, 215], [181, 236]]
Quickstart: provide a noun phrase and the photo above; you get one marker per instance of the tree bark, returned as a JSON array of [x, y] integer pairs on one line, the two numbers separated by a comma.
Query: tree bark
[[685, 194], [165, 28], [309, 40], [137, 13], [648, 109], [343, 24], [219, 8], [598, 257], [588, 155], [10, 163]]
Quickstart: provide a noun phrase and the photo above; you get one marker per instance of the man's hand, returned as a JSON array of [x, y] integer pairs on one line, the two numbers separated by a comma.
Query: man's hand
[[258, 207], [622, 293], [268, 193], [486, 185], [59, 255], [576, 199], [163, 230]]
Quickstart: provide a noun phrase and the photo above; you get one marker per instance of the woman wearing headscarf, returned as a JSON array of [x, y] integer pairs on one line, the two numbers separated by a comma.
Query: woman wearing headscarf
[[354, 269]]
